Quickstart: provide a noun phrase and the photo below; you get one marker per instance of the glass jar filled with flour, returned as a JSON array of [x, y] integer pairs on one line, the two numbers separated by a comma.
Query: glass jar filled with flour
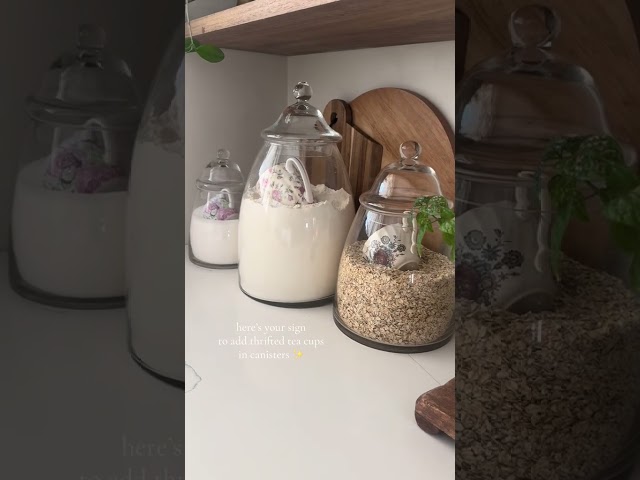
[[156, 233], [213, 232], [296, 211], [69, 205], [396, 290]]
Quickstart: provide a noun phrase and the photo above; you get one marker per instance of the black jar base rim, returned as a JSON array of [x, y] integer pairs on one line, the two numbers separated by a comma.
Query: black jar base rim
[[33, 294], [193, 259], [173, 382], [312, 304], [387, 347]]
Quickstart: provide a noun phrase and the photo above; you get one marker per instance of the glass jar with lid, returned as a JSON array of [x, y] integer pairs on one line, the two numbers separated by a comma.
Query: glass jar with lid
[[393, 293], [509, 110], [69, 205], [156, 224], [296, 210], [213, 232], [566, 350]]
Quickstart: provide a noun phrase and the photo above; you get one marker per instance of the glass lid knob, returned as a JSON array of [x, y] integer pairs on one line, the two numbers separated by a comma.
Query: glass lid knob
[[91, 37], [302, 91], [223, 155], [534, 26], [410, 152]]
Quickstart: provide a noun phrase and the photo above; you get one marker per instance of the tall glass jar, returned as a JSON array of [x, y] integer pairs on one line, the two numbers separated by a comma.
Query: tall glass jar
[[213, 230], [155, 225], [296, 210], [393, 294], [68, 217], [547, 362]]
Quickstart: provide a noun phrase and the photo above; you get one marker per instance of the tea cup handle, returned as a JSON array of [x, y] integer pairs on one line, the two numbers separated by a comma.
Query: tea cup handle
[[106, 137], [414, 230], [226, 192], [293, 164], [541, 259]]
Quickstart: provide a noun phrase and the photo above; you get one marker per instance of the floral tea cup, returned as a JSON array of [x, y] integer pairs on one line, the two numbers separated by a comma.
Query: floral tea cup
[[286, 184], [502, 258], [221, 207], [392, 246]]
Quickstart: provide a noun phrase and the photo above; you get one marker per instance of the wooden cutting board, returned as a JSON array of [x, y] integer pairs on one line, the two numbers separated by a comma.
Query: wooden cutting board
[[436, 410], [391, 116], [362, 156]]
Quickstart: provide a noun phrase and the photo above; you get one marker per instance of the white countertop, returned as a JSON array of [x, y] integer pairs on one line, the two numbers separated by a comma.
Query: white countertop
[[340, 411], [72, 396]]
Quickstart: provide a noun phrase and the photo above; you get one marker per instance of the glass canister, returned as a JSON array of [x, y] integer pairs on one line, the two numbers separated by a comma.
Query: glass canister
[[213, 232], [547, 369], [509, 110], [296, 210], [392, 293], [69, 205], [155, 225]]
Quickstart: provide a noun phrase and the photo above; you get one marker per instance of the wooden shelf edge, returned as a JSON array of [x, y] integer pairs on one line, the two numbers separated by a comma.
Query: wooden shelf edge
[[298, 27]]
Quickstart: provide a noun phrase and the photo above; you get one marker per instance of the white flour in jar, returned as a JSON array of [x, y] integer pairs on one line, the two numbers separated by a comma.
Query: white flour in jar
[[68, 244], [213, 241], [156, 316], [291, 254]]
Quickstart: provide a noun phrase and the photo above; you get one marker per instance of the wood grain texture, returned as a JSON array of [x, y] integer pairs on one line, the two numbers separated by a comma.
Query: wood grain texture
[[296, 27], [436, 410], [362, 156], [599, 35], [391, 116]]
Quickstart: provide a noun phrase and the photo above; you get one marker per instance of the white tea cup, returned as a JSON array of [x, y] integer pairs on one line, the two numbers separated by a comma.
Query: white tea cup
[[392, 246]]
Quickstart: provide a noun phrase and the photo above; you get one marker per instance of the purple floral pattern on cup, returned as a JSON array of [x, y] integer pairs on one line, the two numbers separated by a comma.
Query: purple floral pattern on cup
[[386, 251], [218, 208], [282, 187], [81, 168]]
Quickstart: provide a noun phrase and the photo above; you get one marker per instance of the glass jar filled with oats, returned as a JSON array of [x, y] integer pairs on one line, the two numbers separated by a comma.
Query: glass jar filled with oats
[[394, 293]]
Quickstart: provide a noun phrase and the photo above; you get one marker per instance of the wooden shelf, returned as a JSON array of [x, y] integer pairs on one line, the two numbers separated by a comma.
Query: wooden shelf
[[298, 27]]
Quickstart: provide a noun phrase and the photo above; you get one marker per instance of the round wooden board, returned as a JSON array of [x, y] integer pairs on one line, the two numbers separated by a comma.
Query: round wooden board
[[391, 116]]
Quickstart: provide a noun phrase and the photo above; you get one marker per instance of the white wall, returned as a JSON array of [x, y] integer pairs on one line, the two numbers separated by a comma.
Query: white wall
[[229, 103], [427, 69]]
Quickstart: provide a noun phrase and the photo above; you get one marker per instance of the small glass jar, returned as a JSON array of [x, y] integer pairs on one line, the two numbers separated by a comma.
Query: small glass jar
[[296, 210], [69, 204], [392, 293], [213, 231]]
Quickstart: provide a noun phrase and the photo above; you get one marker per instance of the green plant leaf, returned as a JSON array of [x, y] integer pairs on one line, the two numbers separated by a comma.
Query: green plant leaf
[[190, 45], [624, 209], [594, 164], [435, 209], [210, 53]]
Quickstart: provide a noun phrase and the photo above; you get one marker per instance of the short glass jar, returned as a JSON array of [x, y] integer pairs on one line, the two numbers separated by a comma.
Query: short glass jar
[[69, 204], [392, 293], [213, 231]]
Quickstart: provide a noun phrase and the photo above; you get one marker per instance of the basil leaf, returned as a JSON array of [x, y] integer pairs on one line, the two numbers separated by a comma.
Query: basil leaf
[[210, 53]]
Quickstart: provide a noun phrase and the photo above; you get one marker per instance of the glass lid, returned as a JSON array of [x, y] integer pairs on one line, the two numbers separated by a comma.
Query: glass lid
[[85, 84], [397, 186], [221, 173], [301, 122], [511, 106]]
